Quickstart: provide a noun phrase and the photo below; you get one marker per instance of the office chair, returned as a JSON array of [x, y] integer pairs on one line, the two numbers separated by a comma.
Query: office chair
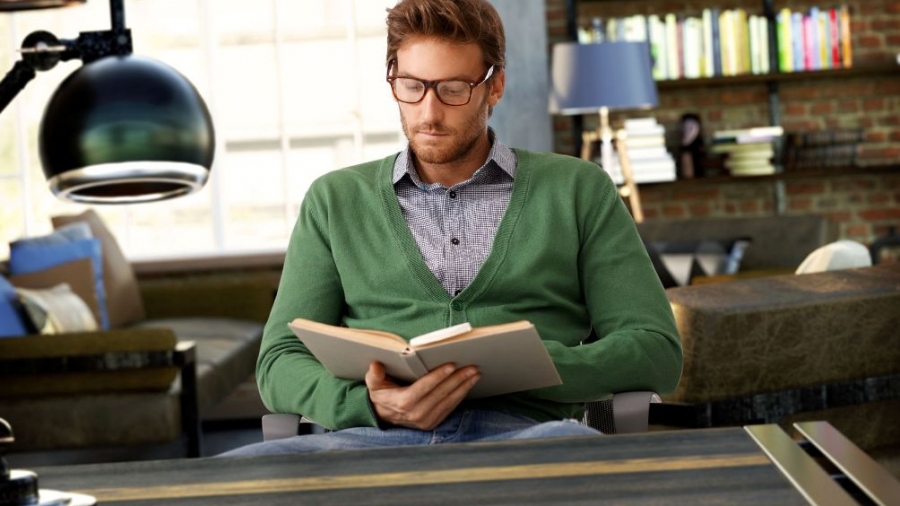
[[622, 413]]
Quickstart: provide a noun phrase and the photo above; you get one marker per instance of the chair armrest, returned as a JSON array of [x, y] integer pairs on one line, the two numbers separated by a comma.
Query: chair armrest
[[621, 413], [632, 411], [244, 298], [283, 425], [280, 426]]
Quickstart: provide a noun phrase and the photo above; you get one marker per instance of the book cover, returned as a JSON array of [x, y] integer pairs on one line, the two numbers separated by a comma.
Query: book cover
[[785, 44], [798, 41], [657, 29], [846, 49], [824, 32], [510, 357], [692, 47], [834, 31], [672, 47], [764, 58], [810, 41], [716, 42], [707, 54]]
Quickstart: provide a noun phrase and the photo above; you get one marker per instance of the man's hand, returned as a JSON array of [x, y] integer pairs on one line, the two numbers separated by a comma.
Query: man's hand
[[424, 404]]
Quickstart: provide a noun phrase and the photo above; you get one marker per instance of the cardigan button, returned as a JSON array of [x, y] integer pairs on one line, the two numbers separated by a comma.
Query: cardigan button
[[456, 306]]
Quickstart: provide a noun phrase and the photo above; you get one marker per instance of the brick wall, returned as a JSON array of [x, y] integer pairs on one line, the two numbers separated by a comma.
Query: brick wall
[[861, 206]]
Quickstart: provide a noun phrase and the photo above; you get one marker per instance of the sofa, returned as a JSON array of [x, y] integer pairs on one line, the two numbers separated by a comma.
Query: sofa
[[174, 350], [772, 244], [780, 349]]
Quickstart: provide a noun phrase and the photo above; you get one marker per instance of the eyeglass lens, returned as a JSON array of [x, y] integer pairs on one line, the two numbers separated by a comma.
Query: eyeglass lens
[[449, 92]]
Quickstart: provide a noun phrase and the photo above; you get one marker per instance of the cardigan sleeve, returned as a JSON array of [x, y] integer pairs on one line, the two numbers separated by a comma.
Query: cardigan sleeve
[[637, 346], [290, 379]]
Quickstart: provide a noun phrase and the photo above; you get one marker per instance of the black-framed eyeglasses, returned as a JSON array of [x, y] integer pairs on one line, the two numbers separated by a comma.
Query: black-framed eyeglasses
[[410, 90]]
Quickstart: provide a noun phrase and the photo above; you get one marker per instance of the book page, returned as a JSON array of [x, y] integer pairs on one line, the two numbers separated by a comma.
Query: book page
[[474, 333], [440, 335]]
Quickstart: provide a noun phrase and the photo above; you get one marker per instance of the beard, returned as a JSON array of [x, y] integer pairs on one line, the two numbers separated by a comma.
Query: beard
[[460, 142]]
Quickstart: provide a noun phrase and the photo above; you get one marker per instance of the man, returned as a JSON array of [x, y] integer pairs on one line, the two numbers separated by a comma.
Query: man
[[460, 228]]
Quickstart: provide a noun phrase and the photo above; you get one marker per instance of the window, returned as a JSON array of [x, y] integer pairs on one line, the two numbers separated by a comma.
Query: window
[[277, 129]]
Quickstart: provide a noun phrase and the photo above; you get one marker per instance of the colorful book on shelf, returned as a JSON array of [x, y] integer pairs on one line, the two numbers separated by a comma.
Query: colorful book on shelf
[[708, 49], [657, 33], [672, 49], [510, 357], [716, 42], [846, 46], [785, 44], [810, 50], [834, 33], [797, 41], [824, 31]]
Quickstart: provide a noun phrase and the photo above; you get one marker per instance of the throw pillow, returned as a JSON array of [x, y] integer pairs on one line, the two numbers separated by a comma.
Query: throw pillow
[[26, 257], [57, 310], [78, 274], [123, 296], [69, 233], [678, 264], [12, 323]]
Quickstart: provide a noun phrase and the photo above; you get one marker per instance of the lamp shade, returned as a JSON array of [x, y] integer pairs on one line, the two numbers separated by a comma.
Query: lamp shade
[[615, 75], [125, 129]]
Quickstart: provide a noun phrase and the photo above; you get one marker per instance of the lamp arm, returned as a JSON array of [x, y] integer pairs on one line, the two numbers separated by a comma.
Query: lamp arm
[[41, 50], [14, 82]]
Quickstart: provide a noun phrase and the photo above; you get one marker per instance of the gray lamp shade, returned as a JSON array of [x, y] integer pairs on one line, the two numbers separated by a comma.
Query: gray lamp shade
[[126, 129], [615, 75]]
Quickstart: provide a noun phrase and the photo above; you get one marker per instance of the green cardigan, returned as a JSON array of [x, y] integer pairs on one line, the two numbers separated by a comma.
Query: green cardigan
[[566, 257]]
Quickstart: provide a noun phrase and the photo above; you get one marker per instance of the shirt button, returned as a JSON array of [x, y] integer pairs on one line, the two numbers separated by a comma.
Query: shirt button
[[454, 241], [456, 306], [452, 194]]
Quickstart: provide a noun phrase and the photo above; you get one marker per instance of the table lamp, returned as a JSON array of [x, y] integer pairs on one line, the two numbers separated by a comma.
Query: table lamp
[[598, 78], [121, 128]]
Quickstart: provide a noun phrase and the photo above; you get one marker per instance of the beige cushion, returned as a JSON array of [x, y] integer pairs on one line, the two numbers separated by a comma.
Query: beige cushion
[[57, 310], [78, 274], [123, 298]]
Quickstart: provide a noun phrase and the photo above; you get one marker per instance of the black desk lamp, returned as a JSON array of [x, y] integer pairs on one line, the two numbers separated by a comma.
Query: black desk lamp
[[121, 128]]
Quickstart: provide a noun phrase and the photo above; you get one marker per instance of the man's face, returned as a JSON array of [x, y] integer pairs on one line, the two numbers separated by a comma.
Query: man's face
[[440, 133]]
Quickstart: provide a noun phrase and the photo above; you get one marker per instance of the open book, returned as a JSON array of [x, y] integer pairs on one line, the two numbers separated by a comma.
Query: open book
[[510, 357]]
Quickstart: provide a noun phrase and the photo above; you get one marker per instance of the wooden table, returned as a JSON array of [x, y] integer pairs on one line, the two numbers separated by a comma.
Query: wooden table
[[709, 466]]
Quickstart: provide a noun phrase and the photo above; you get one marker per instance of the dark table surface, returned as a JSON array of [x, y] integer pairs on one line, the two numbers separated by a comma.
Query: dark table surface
[[709, 466]]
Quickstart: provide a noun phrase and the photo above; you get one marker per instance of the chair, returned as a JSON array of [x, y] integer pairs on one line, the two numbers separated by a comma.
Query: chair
[[621, 413]]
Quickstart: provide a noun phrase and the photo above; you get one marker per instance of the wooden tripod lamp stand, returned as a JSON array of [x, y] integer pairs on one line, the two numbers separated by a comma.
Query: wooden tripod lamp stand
[[598, 78]]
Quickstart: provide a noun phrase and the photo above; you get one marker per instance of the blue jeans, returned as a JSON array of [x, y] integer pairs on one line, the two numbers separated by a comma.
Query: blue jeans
[[462, 426]]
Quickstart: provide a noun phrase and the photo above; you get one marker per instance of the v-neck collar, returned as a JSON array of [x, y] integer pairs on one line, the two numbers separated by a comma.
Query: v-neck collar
[[410, 250]]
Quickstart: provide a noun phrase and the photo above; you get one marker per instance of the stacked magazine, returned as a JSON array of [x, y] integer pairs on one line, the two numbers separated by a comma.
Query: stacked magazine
[[645, 143], [748, 151]]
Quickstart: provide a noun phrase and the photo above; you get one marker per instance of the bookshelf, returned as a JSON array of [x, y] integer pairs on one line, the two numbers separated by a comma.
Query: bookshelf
[[771, 81]]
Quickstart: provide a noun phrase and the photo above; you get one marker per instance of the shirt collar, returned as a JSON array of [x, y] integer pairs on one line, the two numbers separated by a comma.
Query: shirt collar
[[502, 156]]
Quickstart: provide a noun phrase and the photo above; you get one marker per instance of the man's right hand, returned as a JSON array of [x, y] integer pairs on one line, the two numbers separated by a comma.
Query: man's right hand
[[424, 404]]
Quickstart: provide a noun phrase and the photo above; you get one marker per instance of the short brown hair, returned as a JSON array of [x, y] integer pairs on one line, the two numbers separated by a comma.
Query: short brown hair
[[458, 21]]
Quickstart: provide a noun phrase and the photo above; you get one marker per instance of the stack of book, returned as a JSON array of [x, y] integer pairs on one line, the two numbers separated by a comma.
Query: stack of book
[[645, 143], [749, 151]]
